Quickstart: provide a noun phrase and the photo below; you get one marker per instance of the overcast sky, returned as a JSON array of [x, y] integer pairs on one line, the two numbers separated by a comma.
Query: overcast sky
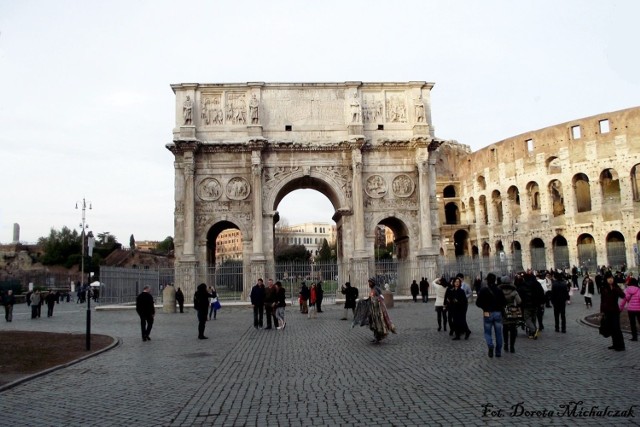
[[86, 108]]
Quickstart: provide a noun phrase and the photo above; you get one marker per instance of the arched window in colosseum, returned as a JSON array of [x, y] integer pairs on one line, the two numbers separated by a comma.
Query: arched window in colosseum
[[635, 182], [538, 255], [472, 211], [610, 185], [484, 213], [587, 255], [557, 197], [451, 213], [482, 184], [516, 250], [461, 243], [553, 165], [560, 252], [486, 250], [533, 191], [449, 191], [499, 246], [616, 250], [514, 201], [496, 201], [582, 191]]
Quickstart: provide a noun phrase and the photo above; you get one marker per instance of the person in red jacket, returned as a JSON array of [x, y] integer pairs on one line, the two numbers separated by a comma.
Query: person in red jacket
[[632, 297]]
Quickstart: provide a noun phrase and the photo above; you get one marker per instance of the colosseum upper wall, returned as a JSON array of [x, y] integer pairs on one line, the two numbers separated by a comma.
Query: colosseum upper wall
[[555, 197]]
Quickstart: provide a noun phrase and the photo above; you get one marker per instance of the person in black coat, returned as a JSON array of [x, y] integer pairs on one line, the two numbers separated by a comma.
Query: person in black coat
[[456, 302], [492, 301], [146, 310], [319, 296], [415, 289], [351, 295], [201, 305], [257, 301], [559, 298], [610, 309], [180, 299], [424, 289]]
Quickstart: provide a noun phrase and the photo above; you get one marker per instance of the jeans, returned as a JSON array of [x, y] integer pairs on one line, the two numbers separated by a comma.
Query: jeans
[[441, 314], [8, 312], [634, 316], [146, 323], [280, 315], [529, 314], [258, 315], [493, 321], [560, 318]]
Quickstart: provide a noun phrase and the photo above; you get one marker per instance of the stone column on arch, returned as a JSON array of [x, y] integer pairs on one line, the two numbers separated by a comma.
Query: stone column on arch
[[189, 207], [424, 202], [358, 205], [256, 177]]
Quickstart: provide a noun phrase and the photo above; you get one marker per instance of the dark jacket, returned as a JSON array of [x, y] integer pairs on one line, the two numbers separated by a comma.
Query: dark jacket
[[559, 293], [609, 298], [201, 299], [350, 295], [144, 305], [304, 292], [414, 288], [281, 297], [530, 291], [179, 296], [319, 292], [270, 295], [257, 295], [491, 298], [455, 299], [8, 299], [424, 286]]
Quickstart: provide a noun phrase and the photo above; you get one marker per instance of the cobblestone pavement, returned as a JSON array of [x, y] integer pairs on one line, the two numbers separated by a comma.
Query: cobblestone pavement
[[323, 372]]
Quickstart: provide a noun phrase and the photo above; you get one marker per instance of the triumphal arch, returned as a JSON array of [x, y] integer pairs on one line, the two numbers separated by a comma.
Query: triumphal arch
[[369, 148]]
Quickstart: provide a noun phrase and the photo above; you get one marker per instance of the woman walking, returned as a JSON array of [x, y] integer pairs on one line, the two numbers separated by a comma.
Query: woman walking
[[281, 300], [456, 302], [509, 324], [441, 310]]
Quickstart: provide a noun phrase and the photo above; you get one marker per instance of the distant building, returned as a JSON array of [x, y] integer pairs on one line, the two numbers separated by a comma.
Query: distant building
[[146, 245], [311, 235], [229, 245]]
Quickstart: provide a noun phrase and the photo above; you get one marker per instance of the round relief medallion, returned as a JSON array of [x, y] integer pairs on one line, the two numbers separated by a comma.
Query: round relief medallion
[[403, 186], [209, 189], [376, 186], [237, 188]]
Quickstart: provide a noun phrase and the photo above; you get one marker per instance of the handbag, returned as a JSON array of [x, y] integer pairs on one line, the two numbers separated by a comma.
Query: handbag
[[216, 304], [605, 327]]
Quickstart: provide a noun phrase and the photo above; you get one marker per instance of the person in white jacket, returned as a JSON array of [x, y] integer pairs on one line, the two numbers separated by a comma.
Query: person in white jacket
[[441, 286]]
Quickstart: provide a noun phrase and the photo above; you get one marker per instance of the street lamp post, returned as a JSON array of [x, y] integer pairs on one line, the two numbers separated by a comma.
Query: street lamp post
[[84, 225]]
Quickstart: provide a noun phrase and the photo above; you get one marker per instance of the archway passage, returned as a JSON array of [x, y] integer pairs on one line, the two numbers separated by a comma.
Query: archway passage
[[538, 254], [616, 251], [461, 243], [560, 252], [225, 269], [451, 214], [587, 254]]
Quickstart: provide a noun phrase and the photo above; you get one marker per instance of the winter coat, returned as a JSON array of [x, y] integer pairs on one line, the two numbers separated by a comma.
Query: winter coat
[[491, 299], [510, 294], [351, 295], [414, 288], [609, 298], [559, 293], [144, 305], [257, 295], [440, 292], [631, 296], [201, 299]]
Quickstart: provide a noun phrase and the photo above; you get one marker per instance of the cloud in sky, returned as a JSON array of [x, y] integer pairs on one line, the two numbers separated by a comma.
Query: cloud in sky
[[86, 108]]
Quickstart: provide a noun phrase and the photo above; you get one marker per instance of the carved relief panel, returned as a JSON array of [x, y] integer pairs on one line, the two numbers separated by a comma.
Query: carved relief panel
[[211, 109], [236, 108], [372, 108], [396, 107]]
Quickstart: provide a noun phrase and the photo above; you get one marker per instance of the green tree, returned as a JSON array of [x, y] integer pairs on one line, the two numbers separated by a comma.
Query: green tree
[[294, 253], [61, 247], [132, 242], [165, 246], [326, 252]]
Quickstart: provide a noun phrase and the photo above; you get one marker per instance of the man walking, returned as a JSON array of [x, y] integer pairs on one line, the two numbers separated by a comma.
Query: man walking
[[350, 296], [146, 310], [270, 295], [257, 301], [8, 300], [559, 298], [492, 301], [180, 299]]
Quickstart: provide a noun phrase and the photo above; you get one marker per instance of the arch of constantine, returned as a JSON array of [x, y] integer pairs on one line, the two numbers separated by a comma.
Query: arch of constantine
[[369, 148], [566, 195]]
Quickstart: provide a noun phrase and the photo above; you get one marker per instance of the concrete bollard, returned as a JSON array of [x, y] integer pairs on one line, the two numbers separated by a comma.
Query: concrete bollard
[[388, 298], [169, 299]]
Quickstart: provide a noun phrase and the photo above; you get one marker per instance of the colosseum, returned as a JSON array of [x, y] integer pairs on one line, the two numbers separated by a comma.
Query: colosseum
[[563, 196]]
